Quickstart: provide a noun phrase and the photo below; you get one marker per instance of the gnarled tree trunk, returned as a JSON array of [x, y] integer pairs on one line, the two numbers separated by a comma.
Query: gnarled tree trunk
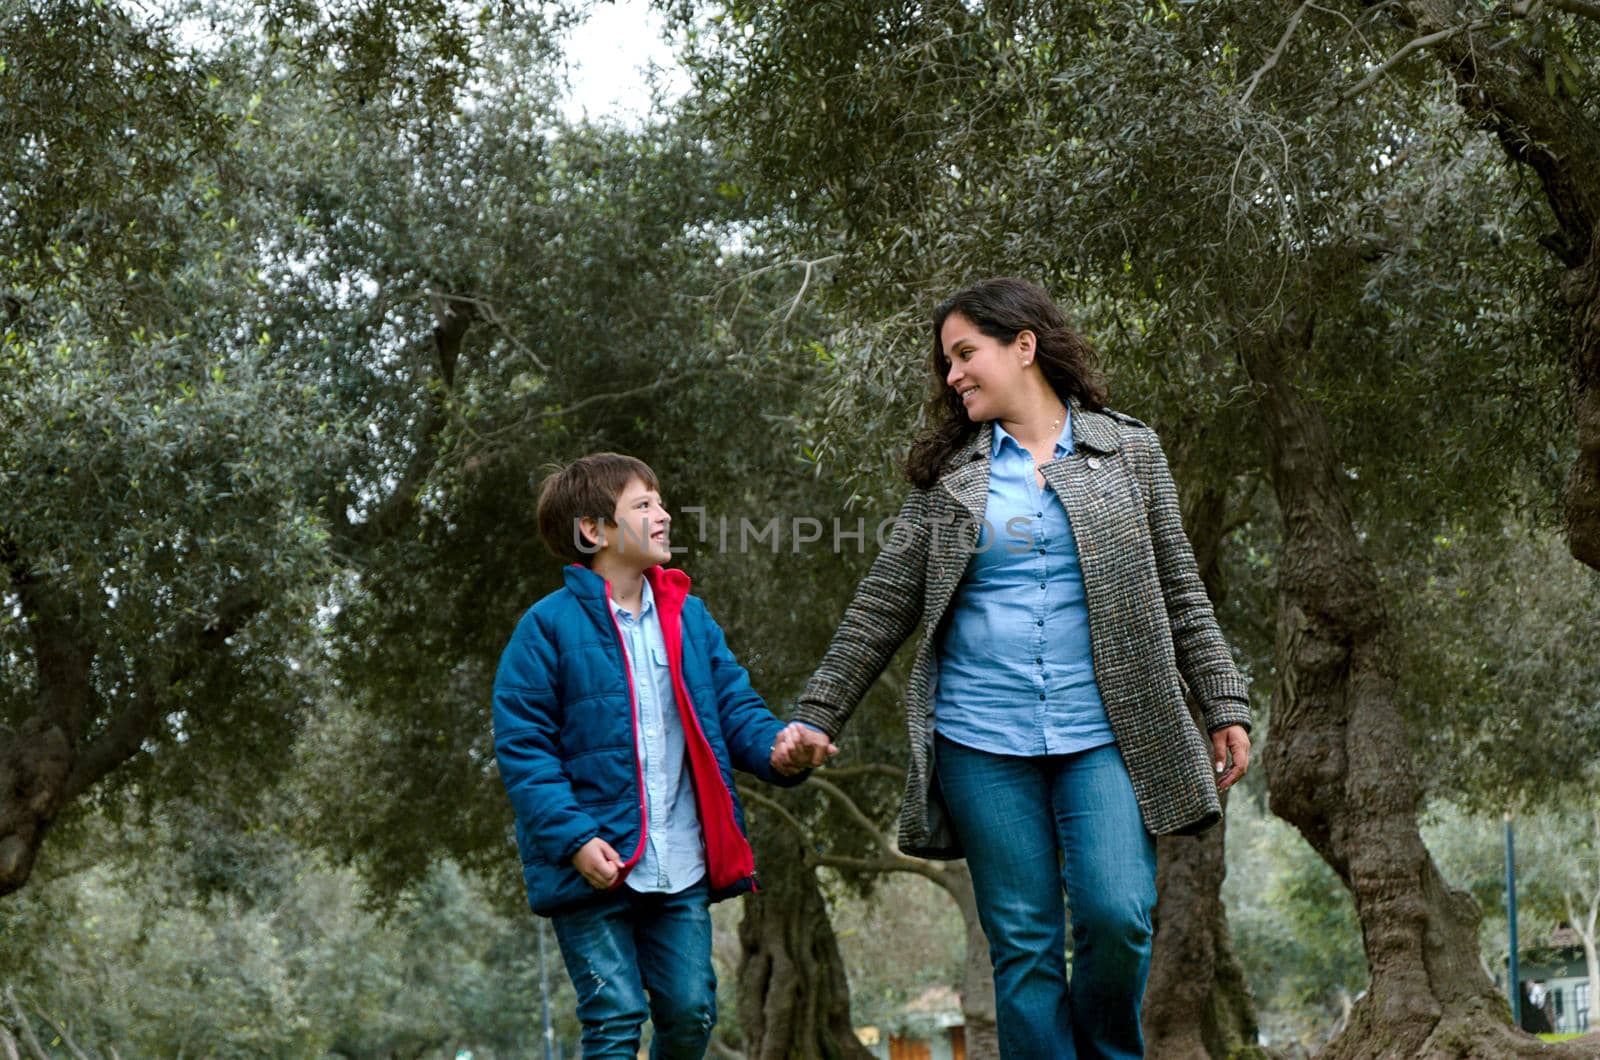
[[1197, 1005], [1581, 289], [794, 997], [1337, 764], [37, 758], [982, 1036], [977, 974], [55, 755]]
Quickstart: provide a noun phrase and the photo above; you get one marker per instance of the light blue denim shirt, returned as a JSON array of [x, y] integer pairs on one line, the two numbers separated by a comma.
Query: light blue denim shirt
[[1016, 673], [674, 855]]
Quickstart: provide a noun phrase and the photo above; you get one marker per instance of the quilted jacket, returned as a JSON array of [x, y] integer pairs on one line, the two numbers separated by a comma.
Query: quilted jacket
[[565, 733]]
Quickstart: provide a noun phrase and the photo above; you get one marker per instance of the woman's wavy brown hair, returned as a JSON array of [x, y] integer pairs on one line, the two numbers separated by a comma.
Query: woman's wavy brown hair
[[1001, 308]]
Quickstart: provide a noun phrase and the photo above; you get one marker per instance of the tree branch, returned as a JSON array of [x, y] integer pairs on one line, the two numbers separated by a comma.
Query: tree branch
[[61, 1032], [11, 559], [891, 861], [126, 733], [617, 395], [452, 316], [1277, 53], [1410, 47], [1245, 506], [63, 655], [928, 870], [870, 769], [750, 794], [492, 315], [855, 813], [25, 1028], [803, 262], [805, 283]]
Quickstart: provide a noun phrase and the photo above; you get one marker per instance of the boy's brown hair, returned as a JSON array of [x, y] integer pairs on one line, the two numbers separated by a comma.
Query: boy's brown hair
[[586, 488]]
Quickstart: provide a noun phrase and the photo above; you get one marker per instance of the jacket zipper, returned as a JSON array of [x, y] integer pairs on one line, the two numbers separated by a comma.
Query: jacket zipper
[[679, 682], [681, 687], [638, 764]]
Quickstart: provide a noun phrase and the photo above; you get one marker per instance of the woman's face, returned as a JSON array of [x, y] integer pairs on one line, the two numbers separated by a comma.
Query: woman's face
[[986, 374]]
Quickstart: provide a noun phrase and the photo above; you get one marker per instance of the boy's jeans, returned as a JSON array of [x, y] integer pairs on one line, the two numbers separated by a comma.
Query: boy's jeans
[[1030, 826], [629, 947]]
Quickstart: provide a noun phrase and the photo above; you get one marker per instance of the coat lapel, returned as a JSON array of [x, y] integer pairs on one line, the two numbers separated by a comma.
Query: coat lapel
[[968, 478], [956, 526], [1091, 483]]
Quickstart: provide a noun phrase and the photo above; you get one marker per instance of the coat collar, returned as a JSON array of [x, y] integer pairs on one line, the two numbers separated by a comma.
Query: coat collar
[[967, 472], [1096, 431], [668, 584]]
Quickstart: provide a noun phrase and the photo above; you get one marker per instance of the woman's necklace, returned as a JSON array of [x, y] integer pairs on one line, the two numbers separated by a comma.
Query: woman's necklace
[[1055, 428]]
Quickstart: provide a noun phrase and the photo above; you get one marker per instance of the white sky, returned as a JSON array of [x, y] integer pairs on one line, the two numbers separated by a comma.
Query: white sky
[[607, 56]]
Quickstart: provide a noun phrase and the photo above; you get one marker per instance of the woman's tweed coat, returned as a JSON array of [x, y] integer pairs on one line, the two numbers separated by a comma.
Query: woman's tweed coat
[[1150, 621]]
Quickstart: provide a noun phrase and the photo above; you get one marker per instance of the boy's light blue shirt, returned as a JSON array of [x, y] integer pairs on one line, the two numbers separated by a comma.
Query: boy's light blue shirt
[[674, 854], [1016, 670]]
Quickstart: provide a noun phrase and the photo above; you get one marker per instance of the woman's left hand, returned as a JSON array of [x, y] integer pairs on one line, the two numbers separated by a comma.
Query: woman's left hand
[[1230, 743]]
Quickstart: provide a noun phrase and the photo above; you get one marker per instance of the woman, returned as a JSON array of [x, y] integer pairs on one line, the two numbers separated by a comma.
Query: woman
[[1042, 551]]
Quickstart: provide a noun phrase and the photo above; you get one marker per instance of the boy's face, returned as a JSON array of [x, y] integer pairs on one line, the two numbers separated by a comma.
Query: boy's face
[[638, 533]]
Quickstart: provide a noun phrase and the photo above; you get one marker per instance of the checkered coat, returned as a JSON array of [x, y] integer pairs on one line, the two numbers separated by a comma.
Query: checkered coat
[[1150, 623]]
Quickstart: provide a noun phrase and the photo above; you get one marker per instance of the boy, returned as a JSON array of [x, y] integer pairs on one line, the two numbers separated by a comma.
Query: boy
[[619, 714]]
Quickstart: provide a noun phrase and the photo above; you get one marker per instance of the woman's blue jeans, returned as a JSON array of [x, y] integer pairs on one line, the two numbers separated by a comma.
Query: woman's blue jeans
[[1031, 826], [633, 955]]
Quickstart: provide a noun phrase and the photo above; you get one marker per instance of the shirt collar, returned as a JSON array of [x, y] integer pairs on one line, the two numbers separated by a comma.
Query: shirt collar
[[647, 602], [1063, 440]]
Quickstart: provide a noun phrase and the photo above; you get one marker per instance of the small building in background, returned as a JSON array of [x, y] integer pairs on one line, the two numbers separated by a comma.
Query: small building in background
[[1564, 992], [930, 1027]]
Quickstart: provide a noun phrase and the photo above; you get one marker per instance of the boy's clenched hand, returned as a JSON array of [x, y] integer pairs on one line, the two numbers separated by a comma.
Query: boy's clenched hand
[[598, 863], [800, 747]]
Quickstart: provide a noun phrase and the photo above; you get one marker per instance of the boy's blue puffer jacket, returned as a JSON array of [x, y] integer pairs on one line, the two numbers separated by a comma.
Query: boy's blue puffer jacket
[[565, 723]]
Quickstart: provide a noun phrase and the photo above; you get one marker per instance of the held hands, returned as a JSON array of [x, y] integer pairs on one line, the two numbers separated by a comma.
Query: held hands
[[1232, 742], [800, 747], [598, 863]]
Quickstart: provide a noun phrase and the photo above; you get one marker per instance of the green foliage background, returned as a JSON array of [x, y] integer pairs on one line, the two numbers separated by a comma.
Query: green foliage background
[[229, 275]]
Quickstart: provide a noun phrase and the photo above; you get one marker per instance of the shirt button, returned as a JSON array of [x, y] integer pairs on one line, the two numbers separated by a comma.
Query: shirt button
[[1039, 659], [1041, 695], [1041, 552], [1040, 622]]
